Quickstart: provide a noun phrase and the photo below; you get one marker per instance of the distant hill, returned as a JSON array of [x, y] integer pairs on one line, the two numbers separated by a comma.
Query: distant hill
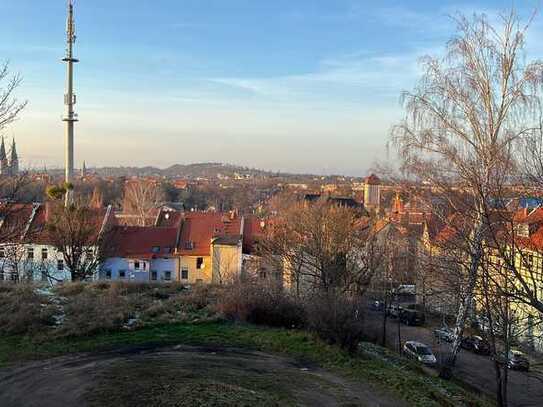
[[190, 171], [202, 170]]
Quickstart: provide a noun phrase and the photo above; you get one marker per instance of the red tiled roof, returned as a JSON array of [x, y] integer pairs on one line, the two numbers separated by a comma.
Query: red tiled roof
[[138, 242], [529, 217], [15, 218], [169, 219], [199, 228], [38, 234]]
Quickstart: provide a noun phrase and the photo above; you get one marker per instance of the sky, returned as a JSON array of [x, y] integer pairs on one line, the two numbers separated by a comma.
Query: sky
[[299, 86]]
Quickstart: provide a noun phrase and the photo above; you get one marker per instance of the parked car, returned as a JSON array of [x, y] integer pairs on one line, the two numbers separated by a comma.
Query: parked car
[[420, 352], [476, 344], [377, 305], [394, 311], [412, 317], [444, 334], [516, 360]]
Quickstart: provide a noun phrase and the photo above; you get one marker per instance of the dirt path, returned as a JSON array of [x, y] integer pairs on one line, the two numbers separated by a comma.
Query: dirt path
[[180, 376]]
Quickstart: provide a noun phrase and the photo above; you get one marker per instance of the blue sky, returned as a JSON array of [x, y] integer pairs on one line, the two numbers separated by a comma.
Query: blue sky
[[304, 86]]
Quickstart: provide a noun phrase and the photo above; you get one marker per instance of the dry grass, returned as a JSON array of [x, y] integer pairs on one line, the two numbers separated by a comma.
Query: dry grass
[[83, 309], [23, 310]]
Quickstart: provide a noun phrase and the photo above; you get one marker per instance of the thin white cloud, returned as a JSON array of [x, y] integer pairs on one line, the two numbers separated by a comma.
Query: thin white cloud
[[340, 80]]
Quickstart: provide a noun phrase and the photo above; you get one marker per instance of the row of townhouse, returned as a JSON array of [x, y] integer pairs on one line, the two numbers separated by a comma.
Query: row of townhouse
[[440, 277], [26, 250], [190, 248], [203, 248], [527, 256]]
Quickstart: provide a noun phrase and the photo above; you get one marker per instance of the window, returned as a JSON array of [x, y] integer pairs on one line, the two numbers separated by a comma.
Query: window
[[167, 250], [263, 275], [184, 273], [2, 253], [529, 261], [108, 274], [156, 249], [30, 253], [523, 230], [60, 265], [144, 266], [189, 245], [44, 254], [122, 274], [199, 263], [168, 275], [137, 265], [154, 275]]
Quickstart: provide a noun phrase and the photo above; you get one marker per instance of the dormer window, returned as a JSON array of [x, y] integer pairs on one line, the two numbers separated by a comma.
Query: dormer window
[[189, 245], [156, 249]]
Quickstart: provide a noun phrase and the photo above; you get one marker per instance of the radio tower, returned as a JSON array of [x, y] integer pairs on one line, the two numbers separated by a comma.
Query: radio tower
[[69, 100]]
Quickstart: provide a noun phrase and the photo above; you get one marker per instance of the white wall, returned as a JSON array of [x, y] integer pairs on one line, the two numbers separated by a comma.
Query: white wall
[[36, 269], [117, 264]]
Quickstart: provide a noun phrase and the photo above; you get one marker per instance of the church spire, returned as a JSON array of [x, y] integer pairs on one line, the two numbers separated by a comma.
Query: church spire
[[14, 155], [14, 161], [4, 164], [2, 149]]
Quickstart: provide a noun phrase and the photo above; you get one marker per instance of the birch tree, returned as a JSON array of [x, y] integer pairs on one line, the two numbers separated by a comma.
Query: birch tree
[[463, 120]]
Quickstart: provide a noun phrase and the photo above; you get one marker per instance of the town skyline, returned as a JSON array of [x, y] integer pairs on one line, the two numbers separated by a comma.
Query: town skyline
[[285, 98]]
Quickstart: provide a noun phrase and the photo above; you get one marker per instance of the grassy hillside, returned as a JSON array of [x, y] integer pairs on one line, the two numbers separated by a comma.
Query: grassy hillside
[[185, 318]]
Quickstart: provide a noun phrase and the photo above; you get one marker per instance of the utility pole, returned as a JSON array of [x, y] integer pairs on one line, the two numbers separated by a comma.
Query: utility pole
[[69, 100]]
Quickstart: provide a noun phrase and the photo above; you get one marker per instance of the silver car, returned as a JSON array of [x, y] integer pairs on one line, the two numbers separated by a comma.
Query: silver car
[[420, 352]]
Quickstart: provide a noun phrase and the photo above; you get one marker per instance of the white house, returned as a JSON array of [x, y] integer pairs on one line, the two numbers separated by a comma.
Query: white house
[[142, 254]]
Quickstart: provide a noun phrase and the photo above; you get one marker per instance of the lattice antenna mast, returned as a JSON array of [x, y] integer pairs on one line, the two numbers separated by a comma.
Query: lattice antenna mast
[[69, 100]]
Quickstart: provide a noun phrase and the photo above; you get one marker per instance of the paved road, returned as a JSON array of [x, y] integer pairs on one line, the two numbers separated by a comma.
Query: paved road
[[525, 388]]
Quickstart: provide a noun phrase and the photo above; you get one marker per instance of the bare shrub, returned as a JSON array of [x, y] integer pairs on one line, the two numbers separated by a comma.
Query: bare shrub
[[70, 289], [261, 305], [336, 319], [90, 313], [199, 297], [24, 311]]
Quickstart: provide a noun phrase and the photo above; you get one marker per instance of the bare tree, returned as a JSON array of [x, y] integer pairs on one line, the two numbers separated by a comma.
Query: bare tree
[[10, 107], [469, 110], [321, 247], [82, 236], [141, 199], [14, 217]]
